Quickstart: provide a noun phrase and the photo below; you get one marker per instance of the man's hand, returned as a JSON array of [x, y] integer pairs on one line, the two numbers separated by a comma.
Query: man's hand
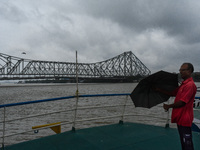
[[177, 104], [166, 107]]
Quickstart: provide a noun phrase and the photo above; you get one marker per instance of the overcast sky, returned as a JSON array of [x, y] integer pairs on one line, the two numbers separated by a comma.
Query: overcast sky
[[161, 33]]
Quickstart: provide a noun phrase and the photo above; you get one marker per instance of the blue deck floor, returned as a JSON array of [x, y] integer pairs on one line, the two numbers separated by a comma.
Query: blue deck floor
[[129, 136]]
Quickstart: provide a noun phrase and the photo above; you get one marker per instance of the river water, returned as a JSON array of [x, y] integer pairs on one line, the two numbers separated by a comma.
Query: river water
[[13, 93]]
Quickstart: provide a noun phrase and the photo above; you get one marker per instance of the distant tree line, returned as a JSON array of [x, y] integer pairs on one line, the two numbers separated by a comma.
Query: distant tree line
[[196, 76], [137, 78]]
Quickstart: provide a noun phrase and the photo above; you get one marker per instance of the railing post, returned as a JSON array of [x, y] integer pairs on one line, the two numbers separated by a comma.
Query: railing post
[[123, 111], [4, 126], [77, 96], [167, 121], [75, 112]]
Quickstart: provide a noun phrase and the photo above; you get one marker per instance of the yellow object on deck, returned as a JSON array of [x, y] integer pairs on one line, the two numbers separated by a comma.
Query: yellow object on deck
[[56, 128]]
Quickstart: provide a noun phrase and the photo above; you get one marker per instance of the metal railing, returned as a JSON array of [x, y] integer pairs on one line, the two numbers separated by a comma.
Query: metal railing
[[6, 121]]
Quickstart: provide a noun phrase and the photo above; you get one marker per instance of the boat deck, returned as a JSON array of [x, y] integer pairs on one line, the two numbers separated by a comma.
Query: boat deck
[[124, 136]]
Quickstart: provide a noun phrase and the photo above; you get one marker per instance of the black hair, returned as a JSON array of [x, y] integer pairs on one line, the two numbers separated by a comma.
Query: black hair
[[190, 67]]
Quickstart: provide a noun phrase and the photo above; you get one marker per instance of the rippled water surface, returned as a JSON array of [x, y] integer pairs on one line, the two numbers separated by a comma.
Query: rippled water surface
[[13, 93]]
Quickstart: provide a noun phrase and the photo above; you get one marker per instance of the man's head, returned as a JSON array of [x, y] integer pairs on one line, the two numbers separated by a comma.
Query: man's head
[[186, 70]]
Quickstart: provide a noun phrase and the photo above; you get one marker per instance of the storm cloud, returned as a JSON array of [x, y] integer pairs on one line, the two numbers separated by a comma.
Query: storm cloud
[[162, 34]]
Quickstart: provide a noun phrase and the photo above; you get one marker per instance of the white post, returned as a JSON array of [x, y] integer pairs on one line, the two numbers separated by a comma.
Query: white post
[[167, 122], [123, 111], [76, 106], [76, 73], [4, 126]]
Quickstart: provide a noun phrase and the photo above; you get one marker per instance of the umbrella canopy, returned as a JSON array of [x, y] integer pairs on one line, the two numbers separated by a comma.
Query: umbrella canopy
[[144, 95]]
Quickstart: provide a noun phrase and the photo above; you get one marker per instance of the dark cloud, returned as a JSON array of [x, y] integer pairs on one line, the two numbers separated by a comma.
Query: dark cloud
[[176, 18], [10, 12], [162, 34]]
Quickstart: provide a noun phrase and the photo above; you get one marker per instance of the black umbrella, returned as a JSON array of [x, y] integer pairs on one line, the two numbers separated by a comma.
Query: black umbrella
[[145, 95]]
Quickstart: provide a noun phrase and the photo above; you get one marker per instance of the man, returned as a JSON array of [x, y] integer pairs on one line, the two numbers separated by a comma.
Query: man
[[182, 113]]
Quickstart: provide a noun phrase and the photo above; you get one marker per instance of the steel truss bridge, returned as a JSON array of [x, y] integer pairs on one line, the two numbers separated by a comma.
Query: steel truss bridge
[[122, 66]]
